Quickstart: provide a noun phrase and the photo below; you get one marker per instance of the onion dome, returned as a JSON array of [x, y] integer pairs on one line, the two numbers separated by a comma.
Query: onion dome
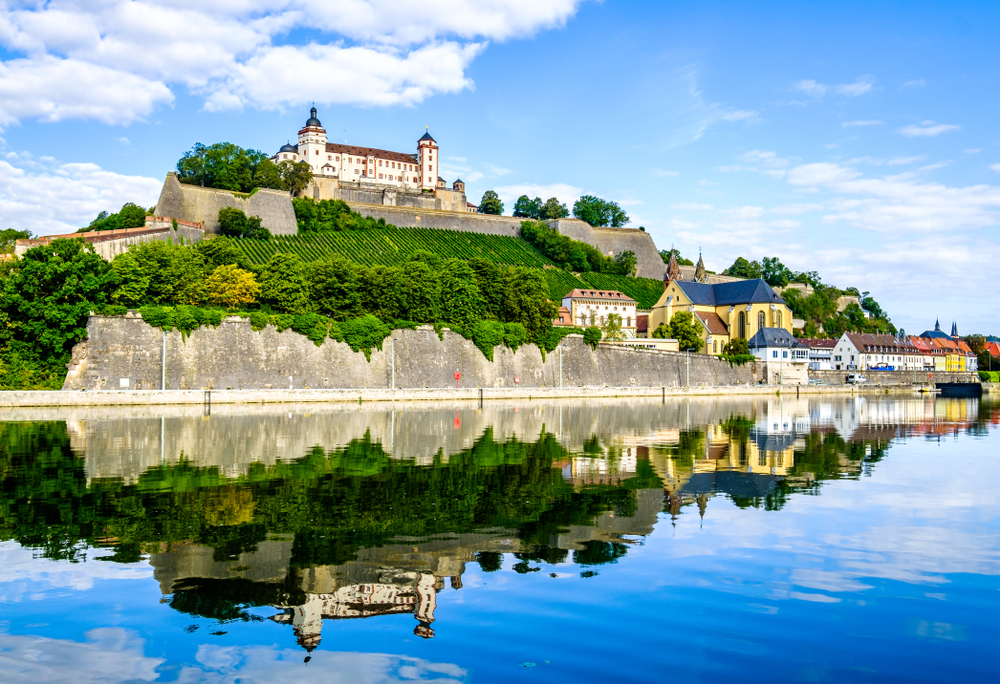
[[313, 121], [288, 148]]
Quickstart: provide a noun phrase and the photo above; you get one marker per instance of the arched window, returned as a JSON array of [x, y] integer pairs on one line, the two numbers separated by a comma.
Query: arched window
[[760, 320], [777, 319], [715, 346], [741, 325], [628, 322]]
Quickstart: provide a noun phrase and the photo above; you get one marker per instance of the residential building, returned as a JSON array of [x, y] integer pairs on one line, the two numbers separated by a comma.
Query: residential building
[[592, 307], [563, 317], [865, 351], [724, 311], [820, 353], [784, 360]]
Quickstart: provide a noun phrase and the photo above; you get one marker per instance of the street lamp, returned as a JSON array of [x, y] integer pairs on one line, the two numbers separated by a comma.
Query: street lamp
[[688, 352]]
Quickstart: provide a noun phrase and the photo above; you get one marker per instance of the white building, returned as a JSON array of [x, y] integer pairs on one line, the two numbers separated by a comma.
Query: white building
[[784, 360], [352, 163], [820, 353], [863, 351], [592, 307]]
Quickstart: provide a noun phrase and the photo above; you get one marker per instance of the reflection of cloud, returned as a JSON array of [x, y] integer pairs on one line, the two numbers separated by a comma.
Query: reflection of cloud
[[267, 664], [109, 655], [18, 565]]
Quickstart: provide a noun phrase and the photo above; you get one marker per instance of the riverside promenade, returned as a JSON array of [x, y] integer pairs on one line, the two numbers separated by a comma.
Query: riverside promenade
[[300, 396]]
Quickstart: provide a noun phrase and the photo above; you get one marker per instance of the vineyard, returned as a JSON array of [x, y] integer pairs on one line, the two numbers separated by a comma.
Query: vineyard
[[392, 246], [645, 291]]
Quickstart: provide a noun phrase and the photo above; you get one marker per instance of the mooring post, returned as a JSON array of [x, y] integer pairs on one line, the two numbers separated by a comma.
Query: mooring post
[[208, 402], [480, 397]]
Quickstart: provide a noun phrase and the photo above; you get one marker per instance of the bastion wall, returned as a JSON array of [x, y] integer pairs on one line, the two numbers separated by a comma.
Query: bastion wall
[[124, 352], [194, 203]]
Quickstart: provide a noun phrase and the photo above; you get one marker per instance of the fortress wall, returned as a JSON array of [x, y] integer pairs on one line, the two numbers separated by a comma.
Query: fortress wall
[[616, 241], [110, 243], [408, 217], [125, 352], [194, 203]]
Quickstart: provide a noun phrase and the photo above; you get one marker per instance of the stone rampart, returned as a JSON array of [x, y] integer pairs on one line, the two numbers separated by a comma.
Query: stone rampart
[[614, 241], [110, 243], [127, 353], [901, 377], [194, 203]]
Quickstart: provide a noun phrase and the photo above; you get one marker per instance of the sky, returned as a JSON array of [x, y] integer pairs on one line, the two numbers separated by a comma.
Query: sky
[[856, 139]]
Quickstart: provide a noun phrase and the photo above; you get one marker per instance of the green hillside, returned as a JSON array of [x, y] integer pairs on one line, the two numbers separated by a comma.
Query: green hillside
[[392, 246], [646, 291]]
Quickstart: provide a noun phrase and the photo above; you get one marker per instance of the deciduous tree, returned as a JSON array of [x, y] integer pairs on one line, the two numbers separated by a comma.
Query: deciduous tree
[[491, 204], [231, 287], [683, 329]]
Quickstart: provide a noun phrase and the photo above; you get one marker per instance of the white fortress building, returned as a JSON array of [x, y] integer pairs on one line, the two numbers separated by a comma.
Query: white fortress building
[[367, 165]]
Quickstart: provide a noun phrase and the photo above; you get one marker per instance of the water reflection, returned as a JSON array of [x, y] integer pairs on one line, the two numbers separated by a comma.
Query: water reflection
[[313, 515]]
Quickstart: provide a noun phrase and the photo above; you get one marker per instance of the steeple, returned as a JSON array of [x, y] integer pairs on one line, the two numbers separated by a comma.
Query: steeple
[[937, 325], [954, 329], [699, 271], [673, 269]]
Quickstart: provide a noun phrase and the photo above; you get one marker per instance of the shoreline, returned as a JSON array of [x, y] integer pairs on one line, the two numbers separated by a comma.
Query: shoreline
[[60, 398]]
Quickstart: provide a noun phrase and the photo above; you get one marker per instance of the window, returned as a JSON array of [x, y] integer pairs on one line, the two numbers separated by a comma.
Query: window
[[715, 346], [760, 320], [774, 354], [777, 319], [784, 355], [742, 324], [329, 157], [317, 151]]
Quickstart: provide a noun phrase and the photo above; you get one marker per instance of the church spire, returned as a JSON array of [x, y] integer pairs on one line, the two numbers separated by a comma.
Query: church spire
[[699, 271], [954, 329], [937, 325], [673, 269]]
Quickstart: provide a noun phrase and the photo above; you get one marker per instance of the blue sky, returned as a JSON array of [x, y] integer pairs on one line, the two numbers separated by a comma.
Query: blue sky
[[855, 139]]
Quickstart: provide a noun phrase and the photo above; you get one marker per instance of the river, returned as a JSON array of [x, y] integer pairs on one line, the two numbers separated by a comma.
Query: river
[[764, 539]]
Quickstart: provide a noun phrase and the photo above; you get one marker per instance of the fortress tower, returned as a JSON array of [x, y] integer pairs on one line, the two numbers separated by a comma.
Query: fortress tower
[[427, 158], [312, 142]]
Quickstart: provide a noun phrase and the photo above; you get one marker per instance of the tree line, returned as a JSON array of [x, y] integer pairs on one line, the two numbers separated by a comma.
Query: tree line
[[230, 167], [575, 255]]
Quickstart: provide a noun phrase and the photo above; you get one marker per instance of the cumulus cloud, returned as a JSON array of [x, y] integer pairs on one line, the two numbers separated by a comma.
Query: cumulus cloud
[[849, 124], [902, 161], [118, 61], [862, 85], [927, 129], [48, 197]]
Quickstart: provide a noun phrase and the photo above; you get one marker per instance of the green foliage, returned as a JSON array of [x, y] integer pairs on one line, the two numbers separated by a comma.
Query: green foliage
[[487, 335], [461, 300], [9, 237], [599, 212], [626, 263], [334, 287], [159, 273], [662, 332], [989, 376], [222, 251], [738, 359], [592, 336], [977, 343], [183, 318], [283, 284], [362, 334], [129, 216], [491, 204], [235, 223], [538, 210], [645, 291], [742, 268], [687, 333], [294, 176], [324, 216], [45, 300], [736, 347], [681, 261], [565, 251], [230, 167]]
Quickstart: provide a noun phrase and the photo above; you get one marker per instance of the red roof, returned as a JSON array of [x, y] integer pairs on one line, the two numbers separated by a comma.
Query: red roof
[[712, 322], [598, 294], [815, 343], [993, 348], [371, 152]]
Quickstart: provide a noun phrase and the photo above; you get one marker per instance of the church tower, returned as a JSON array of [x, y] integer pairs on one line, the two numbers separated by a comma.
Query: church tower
[[312, 143], [699, 272], [954, 330], [427, 159], [673, 270]]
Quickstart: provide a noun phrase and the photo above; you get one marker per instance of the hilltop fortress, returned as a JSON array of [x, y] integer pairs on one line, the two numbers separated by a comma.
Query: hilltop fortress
[[402, 188]]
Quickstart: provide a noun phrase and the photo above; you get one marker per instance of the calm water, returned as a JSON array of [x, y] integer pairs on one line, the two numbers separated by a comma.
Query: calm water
[[820, 540]]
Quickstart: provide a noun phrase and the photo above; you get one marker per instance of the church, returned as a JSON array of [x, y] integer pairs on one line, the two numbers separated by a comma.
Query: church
[[724, 311], [351, 163]]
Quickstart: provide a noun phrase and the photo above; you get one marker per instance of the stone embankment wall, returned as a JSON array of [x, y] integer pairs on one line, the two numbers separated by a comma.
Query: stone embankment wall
[[831, 377], [127, 353], [194, 203], [110, 243]]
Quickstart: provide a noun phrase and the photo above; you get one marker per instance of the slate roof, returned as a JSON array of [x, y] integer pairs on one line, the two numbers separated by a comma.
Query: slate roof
[[730, 294], [774, 337], [713, 323], [354, 150], [935, 335], [427, 136]]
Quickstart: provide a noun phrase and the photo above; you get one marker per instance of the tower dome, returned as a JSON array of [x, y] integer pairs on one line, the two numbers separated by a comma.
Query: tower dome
[[313, 121], [288, 147]]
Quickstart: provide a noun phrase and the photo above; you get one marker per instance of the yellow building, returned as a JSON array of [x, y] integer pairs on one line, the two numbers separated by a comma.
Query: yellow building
[[724, 310]]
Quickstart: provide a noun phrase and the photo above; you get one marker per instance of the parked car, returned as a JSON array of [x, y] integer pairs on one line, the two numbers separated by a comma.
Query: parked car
[[856, 379]]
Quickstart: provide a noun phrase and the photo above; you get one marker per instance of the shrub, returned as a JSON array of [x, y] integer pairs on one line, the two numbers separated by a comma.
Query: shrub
[[592, 336], [234, 222], [514, 335], [487, 335], [362, 334], [231, 287]]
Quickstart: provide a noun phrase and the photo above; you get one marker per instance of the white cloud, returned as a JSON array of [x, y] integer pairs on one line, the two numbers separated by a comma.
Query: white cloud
[[927, 129], [849, 124], [109, 655], [974, 151], [919, 83], [48, 197], [741, 115], [795, 209], [995, 167], [692, 206], [567, 194], [117, 61], [862, 85], [660, 173], [902, 161]]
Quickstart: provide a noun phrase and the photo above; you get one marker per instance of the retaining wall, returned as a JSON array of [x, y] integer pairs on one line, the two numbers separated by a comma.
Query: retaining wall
[[835, 377], [198, 204], [125, 353]]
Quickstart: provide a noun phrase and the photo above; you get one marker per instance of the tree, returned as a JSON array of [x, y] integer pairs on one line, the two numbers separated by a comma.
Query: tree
[[283, 285], [612, 328], [228, 167], [553, 209], [592, 336], [419, 298], [977, 343], [626, 263], [528, 208], [9, 237], [869, 304], [294, 176], [333, 287], [662, 332], [681, 261], [491, 204], [129, 216], [48, 295], [736, 347], [775, 273], [683, 329], [528, 301], [221, 251], [599, 212], [234, 222], [742, 268], [461, 301], [231, 287], [159, 273]]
